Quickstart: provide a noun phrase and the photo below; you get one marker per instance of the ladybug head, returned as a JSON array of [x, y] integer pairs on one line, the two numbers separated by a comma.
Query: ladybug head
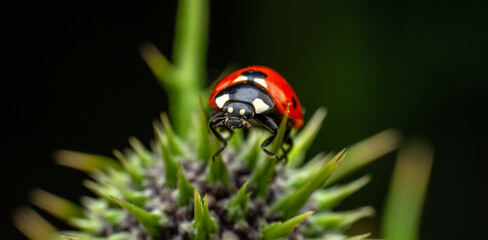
[[236, 114]]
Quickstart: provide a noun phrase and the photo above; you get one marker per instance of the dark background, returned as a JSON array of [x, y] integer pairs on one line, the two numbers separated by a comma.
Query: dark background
[[75, 81]]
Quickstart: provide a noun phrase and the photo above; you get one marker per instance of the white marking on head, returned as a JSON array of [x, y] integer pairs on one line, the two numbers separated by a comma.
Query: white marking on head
[[242, 112], [220, 101], [241, 79], [230, 109], [259, 105], [261, 82]]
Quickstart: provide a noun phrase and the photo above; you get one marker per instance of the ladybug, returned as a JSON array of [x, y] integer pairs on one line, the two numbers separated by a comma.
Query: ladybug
[[257, 94]]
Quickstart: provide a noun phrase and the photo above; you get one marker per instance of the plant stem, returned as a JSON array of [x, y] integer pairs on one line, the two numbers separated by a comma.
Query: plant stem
[[189, 53], [401, 219], [183, 79]]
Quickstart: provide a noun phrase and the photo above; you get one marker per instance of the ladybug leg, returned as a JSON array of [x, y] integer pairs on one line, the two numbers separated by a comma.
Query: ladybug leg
[[218, 121], [289, 141], [269, 124]]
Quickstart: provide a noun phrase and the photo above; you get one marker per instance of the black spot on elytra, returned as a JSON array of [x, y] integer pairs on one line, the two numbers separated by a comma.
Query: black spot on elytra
[[251, 74], [294, 102]]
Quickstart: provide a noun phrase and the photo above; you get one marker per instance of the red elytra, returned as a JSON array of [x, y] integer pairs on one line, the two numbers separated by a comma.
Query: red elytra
[[276, 87]]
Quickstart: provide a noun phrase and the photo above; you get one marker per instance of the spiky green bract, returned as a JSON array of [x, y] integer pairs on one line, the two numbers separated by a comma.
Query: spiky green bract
[[167, 156], [367, 150], [120, 236], [279, 139], [203, 139], [132, 166], [95, 216], [304, 139], [328, 198], [141, 151], [263, 176], [185, 189], [217, 171], [289, 205], [326, 221], [56, 206], [160, 208], [359, 237], [338, 236], [85, 162], [135, 197], [301, 175], [175, 144], [266, 172], [280, 230], [204, 226], [237, 206], [33, 226], [237, 140], [252, 153], [98, 213], [152, 222], [103, 190], [197, 207], [115, 182], [170, 166]]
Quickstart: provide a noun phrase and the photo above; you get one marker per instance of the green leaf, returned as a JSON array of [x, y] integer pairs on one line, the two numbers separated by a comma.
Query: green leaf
[[403, 208], [185, 189], [305, 138], [85, 162], [141, 151], [56, 206], [364, 152], [280, 230], [290, 204], [331, 197], [152, 222], [328, 221], [237, 206]]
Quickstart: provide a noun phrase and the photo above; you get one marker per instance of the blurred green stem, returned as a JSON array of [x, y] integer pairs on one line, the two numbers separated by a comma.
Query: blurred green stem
[[189, 53], [183, 79], [401, 219]]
